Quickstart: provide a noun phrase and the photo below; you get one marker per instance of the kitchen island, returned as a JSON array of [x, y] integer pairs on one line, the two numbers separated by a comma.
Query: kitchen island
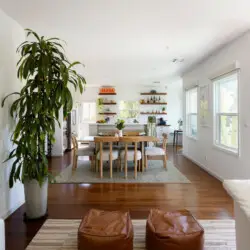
[[96, 128]]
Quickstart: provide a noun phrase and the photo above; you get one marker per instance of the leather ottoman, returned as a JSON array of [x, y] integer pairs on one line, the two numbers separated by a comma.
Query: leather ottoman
[[177, 230], [103, 230]]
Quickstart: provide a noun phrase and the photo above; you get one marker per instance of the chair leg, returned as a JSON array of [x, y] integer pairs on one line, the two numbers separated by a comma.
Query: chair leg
[[126, 168], [165, 162], [76, 160], [111, 168], [146, 162]]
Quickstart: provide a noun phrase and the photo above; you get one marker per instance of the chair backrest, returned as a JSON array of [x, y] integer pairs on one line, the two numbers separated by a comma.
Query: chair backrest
[[131, 133], [165, 140], [103, 139]]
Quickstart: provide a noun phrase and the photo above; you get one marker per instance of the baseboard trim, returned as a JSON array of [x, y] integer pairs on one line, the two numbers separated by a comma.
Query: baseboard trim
[[11, 211], [218, 177]]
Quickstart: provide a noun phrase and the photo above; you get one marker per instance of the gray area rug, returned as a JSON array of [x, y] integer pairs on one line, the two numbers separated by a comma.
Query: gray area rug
[[62, 234], [155, 173]]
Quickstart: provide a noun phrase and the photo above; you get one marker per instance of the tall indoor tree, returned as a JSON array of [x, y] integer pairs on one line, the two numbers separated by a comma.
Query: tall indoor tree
[[47, 75]]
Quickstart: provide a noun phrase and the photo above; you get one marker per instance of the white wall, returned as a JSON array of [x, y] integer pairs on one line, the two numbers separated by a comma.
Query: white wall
[[11, 35], [219, 163]]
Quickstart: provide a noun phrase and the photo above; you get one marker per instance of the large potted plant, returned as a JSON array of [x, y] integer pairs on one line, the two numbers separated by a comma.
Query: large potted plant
[[47, 75]]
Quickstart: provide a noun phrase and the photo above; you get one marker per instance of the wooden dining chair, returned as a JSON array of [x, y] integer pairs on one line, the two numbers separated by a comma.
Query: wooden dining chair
[[157, 153], [82, 151], [133, 133], [129, 154], [106, 154]]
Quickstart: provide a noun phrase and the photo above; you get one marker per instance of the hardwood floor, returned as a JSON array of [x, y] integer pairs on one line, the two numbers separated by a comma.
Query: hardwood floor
[[204, 197]]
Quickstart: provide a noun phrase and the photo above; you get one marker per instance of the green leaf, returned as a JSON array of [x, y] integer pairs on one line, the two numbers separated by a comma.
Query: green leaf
[[14, 93]]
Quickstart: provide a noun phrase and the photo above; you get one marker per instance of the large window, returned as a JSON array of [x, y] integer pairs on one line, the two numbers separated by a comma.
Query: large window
[[226, 112], [191, 112], [129, 109], [89, 111]]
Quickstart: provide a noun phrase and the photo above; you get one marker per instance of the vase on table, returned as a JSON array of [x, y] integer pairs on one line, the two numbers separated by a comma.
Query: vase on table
[[120, 133]]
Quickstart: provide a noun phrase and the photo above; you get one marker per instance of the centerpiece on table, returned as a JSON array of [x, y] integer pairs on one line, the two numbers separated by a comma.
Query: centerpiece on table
[[120, 125]]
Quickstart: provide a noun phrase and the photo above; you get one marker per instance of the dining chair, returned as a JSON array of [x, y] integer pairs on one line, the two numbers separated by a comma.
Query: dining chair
[[82, 151], [129, 154], [157, 153], [106, 154]]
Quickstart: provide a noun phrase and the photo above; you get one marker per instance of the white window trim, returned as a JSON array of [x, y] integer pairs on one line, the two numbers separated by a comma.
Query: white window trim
[[187, 115], [217, 146]]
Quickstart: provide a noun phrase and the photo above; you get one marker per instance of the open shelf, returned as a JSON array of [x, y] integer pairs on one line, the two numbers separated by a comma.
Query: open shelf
[[107, 94], [107, 113], [156, 103], [108, 103], [153, 93], [150, 113]]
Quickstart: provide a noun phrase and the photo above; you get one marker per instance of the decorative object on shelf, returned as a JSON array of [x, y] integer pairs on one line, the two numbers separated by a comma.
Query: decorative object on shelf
[[106, 90], [153, 91], [46, 74], [135, 121], [161, 122], [120, 125], [100, 101], [163, 109], [101, 121], [180, 122]]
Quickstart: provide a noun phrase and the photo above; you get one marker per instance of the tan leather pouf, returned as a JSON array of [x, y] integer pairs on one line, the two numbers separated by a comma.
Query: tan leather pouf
[[177, 230], [103, 230]]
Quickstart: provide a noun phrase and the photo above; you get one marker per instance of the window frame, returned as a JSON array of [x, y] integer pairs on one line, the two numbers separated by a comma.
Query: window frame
[[216, 115], [190, 114], [88, 120]]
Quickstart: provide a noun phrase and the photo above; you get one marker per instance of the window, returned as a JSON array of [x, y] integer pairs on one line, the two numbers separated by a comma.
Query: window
[[191, 112], [226, 112], [89, 111], [129, 109]]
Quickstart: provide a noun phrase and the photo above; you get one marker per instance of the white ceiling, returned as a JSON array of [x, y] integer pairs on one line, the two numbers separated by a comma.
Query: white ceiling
[[134, 41]]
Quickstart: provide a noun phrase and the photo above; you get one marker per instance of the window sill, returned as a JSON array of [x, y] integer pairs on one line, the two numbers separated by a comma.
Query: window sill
[[226, 150]]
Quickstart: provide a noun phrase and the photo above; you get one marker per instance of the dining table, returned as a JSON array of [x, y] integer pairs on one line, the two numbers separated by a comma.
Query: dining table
[[144, 139]]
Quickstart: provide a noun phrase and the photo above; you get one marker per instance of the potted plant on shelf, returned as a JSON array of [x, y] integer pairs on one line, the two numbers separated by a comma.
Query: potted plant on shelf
[[47, 75], [163, 109], [120, 125]]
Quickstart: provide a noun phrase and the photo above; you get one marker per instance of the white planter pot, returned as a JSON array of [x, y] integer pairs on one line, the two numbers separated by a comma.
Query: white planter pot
[[120, 133], [36, 198], [2, 235]]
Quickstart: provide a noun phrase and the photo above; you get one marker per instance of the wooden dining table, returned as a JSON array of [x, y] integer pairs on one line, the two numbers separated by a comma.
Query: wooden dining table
[[141, 138]]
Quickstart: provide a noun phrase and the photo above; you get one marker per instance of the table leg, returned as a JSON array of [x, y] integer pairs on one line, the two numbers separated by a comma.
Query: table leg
[[174, 139], [177, 134], [142, 153]]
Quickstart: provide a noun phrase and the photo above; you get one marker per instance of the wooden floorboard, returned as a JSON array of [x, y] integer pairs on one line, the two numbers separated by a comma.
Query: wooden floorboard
[[204, 197]]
